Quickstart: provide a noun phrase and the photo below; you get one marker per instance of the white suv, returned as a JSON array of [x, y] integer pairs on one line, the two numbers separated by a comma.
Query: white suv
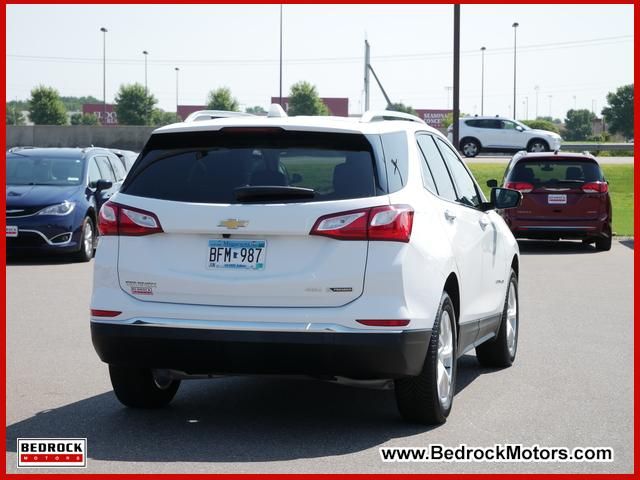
[[349, 250], [497, 134]]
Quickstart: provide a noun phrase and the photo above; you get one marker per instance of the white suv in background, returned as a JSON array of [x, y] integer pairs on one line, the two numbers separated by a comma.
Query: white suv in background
[[497, 134], [347, 250]]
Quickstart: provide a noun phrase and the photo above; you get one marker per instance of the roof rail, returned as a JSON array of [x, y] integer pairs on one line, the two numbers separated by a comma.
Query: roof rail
[[200, 115], [276, 111], [15, 149], [376, 116]]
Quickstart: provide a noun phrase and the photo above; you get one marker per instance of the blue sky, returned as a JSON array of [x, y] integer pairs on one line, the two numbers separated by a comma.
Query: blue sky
[[581, 51]]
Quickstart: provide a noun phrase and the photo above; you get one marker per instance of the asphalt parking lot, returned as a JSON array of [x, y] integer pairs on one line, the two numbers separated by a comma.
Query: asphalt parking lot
[[571, 385]]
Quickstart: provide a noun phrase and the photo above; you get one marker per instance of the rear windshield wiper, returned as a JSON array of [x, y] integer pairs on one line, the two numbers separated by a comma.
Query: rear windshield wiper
[[272, 193]]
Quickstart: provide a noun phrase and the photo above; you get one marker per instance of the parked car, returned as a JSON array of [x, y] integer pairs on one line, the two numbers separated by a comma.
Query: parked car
[[565, 196], [348, 250], [53, 198], [498, 134], [127, 157]]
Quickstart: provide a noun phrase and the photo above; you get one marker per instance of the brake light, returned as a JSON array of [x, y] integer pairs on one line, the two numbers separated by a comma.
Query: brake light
[[524, 187], [104, 313], [384, 323], [595, 187], [116, 219], [392, 223]]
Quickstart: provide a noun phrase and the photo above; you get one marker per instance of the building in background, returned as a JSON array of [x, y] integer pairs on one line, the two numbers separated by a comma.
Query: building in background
[[98, 109]]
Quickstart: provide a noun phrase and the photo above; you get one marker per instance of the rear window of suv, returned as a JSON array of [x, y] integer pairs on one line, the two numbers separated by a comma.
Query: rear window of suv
[[207, 167], [553, 171]]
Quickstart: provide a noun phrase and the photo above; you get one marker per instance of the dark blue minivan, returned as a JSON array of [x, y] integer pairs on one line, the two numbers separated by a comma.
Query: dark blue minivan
[[54, 195]]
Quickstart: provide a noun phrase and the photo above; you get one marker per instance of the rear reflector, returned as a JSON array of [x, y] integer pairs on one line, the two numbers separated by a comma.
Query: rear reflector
[[384, 323], [116, 219], [391, 223], [595, 187], [104, 313], [523, 187]]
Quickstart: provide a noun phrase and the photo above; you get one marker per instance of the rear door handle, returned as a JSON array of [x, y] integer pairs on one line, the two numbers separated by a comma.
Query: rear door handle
[[449, 215]]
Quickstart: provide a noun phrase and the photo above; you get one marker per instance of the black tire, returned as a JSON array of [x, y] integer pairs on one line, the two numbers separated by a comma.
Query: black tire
[[469, 147], [538, 145], [85, 254], [417, 397], [495, 352], [137, 388], [604, 243]]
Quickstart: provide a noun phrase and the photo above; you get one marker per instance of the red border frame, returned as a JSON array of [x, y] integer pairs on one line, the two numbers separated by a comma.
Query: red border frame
[[636, 430]]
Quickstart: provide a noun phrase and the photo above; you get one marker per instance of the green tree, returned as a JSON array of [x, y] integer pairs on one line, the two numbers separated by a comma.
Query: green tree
[[257, 110], [134, 105], [619, 113], [84, 119], [541, 125], [447, 120], [221, 99], [401, 107], [74, 104], [304, 100], [159, 117], [577, 125], [15, 116], [46, 108]]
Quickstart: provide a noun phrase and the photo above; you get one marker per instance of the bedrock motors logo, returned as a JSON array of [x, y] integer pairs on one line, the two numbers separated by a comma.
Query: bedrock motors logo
[[52, 452]]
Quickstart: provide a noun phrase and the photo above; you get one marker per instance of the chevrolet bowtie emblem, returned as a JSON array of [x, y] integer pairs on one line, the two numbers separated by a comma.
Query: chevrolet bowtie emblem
[[233, 223]]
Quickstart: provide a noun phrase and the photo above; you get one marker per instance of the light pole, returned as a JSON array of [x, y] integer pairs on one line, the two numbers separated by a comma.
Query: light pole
[[104, 74], [537, 89], [280, 94], [525, 102], [482, 49], [146, 90], [515, 29], [177, 69]]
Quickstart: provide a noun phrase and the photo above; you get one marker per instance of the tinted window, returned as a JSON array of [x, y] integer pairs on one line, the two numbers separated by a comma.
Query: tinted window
[[395, 154], [94, 172], [427, 177], [437, 167], [207, 167], [118, 168], [473, 123], [105, 169], [554, 171], [467, 193], [37, 170], [507, 125]]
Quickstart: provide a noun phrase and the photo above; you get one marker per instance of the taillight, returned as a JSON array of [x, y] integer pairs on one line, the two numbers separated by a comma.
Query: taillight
[[595, 187], [392, 223], [116, 219], [104, 313], [524, 187], [384, 323]]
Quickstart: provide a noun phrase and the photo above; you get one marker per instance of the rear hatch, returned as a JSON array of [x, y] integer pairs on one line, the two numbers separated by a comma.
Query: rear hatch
[[236, 207], [556, 188]]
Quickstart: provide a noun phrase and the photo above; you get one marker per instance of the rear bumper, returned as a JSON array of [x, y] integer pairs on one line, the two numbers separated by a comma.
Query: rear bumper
[[200, 351], [554, 229]]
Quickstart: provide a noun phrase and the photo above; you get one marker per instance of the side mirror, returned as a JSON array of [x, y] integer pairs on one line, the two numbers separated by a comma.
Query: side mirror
[[519, 128], [103, 185], [296, 178], [502, 198], [492, 183]]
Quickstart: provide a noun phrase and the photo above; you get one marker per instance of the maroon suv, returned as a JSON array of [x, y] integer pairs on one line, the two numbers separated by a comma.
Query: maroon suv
[[565, 195]]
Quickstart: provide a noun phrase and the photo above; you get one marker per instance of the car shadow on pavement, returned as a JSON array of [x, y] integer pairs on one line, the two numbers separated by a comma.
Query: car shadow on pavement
[[39, 259], [553, 247], [628, 243], [240, 419]]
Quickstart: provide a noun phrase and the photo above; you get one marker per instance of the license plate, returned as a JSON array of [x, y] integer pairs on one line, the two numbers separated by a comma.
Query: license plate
[[557, 199], [237, 254], [12, 231]]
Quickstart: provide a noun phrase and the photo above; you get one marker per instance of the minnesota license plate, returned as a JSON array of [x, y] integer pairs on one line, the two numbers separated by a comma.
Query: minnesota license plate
[[12, 231], [557, 199], [237, 254]]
